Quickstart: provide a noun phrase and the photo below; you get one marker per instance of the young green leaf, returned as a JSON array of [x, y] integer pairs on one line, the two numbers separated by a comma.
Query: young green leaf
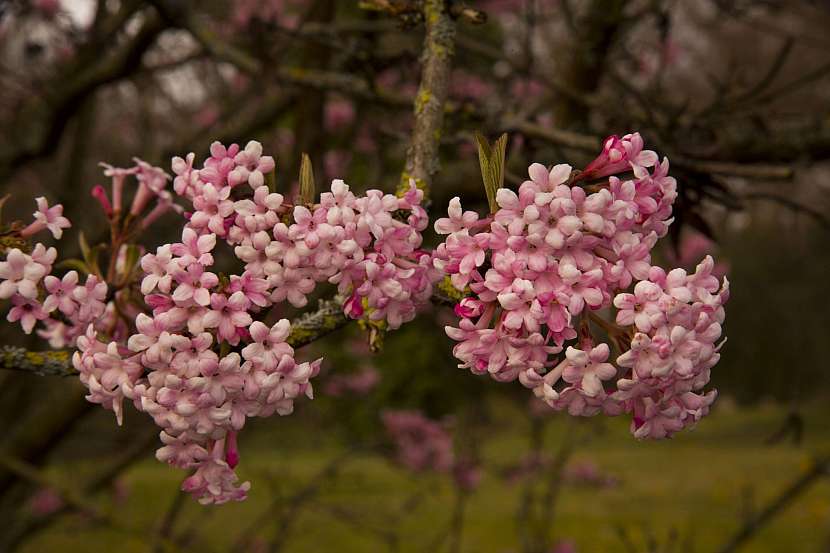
[[491, 160], [85, 249], [131, 261], [307, 187]]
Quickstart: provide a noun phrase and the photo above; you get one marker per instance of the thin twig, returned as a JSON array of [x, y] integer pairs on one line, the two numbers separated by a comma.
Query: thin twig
[[791, 204], [819, 469]]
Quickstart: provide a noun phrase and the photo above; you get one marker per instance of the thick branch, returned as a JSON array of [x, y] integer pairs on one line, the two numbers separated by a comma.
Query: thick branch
[[314, 325], [48, 117], [439, 44], [304, 330], [43, 363], [422, 156]]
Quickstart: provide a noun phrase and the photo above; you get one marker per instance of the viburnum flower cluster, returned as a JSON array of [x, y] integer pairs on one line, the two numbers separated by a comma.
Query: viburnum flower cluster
[[200, 357], [201, 351], [369, 245], [537, 272]]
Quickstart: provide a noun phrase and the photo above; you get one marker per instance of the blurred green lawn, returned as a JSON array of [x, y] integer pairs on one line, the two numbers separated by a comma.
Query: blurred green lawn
[[695, 486]]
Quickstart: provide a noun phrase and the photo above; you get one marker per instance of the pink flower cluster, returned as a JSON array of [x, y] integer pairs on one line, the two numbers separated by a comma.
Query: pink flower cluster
[[62, 305], [423, 444], [368, 245], [537, 271], [202, 361], [151, 191], [171, 370], [678, 320]]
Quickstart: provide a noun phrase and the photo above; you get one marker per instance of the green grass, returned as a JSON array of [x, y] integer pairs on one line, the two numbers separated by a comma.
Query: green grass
[[696, 486]]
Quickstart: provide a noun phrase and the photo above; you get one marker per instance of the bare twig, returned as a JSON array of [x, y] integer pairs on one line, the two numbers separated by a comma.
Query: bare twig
[[820, 468], [588, 143], [136, 450], [222, 50], [560, 137], [791, 204], [554, 484], [296, 502]]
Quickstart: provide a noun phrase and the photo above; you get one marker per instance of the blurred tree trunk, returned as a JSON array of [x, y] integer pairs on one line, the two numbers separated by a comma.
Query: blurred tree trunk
[[310, 108], [583, 64]]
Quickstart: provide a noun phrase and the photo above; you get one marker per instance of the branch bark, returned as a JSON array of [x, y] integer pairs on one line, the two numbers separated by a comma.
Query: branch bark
[[439, 46]]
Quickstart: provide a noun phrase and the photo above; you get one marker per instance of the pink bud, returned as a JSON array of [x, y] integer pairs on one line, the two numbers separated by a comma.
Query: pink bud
[[469, 307], [232, 451], [100, 194], [353, 307]]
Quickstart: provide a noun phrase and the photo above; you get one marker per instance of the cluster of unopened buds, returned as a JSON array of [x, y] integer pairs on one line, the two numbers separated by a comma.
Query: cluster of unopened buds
[[201, 351]]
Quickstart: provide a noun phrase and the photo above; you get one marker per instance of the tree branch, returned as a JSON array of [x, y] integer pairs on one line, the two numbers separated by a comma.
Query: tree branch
[[591, 144], [439, 45], [219, 49], [48, 117], [42, 363]]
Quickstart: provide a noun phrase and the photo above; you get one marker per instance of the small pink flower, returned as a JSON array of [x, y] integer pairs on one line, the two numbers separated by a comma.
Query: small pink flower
[[60, 293], [50, 218], [27, 311], [100, 195], [21, 273], [194, 248], [268, 349], [193, 285], [227, 314]]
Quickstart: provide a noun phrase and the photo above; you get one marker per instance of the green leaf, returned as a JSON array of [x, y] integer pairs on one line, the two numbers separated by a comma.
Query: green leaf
[[307, 186], [491, 159], [131, 260], [86, 251], [94, 253], [498, 157], [90, 255]]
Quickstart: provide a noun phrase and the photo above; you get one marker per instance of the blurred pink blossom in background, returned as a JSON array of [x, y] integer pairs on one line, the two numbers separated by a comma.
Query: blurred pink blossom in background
[[45, 502], [359, 383]]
